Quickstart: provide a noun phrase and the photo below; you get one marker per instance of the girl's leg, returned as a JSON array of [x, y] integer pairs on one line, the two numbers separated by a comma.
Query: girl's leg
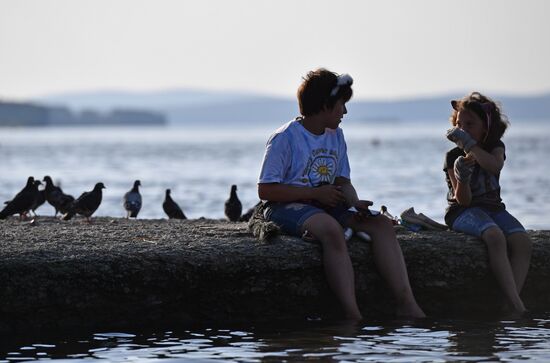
[[336, 261], [501, 267], [390, 262], [519, 246]]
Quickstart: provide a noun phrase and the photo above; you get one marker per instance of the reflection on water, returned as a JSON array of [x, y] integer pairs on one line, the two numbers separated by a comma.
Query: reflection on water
[[390, 341]]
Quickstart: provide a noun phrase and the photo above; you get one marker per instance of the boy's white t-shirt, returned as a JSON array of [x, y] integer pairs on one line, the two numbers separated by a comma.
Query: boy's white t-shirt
[[295, 156]]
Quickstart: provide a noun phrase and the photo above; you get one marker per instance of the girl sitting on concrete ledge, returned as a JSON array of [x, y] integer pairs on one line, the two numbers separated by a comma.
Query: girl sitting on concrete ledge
[[472, 171]]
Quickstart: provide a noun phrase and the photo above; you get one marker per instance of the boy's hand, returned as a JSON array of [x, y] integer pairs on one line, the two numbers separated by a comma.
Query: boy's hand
[[363, 211], [463, 168], [362, 206], [330, 195], [461, 138]]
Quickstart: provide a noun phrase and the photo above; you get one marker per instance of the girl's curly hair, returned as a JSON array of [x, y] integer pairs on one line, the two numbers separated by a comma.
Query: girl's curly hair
[[488, 111]]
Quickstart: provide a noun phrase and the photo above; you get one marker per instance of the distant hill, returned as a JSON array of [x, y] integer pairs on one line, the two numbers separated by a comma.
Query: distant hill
[[183, 106], [106, 100], [34, 114]]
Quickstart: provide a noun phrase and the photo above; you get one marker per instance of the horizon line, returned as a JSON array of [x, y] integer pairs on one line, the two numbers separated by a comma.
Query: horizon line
[[240, 92]]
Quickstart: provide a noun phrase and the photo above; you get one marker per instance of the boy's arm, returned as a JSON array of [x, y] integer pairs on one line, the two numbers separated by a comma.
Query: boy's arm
[[492, 162], [330, 195]]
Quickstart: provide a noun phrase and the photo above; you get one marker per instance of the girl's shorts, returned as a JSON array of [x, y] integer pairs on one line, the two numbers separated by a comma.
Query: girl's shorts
[[291, 216], [476, 220]]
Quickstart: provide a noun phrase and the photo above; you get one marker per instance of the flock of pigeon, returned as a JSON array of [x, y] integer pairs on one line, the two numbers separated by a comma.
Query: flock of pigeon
[[31, 197]]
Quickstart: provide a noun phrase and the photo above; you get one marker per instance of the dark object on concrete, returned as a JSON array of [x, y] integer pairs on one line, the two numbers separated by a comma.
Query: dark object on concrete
[[86, 204], [132, 201], [55, 196], [261, 228], [246, 217], [171, 208], [233, 206], [22, 202], [118, 273]]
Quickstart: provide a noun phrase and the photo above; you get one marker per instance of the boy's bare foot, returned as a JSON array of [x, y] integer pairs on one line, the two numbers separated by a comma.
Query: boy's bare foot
[[411, 310]]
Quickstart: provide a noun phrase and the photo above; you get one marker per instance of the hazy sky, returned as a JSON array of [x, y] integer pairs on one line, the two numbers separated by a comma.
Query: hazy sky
[[392, 49]]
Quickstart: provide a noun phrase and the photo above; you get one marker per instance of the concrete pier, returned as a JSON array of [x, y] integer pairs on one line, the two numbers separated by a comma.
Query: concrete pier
[[118, 273]]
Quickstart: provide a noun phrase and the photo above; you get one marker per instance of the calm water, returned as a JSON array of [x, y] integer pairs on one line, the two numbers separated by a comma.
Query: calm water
[[396, 165], [399, 165], [388, 341]]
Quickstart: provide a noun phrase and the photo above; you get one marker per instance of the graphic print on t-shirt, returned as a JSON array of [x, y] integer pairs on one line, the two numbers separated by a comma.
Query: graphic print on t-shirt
[[321, 167], [322, 170]]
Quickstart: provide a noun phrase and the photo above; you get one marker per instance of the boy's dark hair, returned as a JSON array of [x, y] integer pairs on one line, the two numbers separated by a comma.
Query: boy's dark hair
[[488, 111], [320, 89]]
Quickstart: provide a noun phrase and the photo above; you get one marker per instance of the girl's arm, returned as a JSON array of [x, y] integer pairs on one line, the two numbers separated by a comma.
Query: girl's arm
[[275, 192], [463, 193], [492, 162]]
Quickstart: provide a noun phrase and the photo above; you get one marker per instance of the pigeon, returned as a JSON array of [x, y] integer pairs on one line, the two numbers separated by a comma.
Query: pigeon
[[171, 208], [132, 201], [246, 217], [55, 196], [22, 202], [233, 206], [86, 204], [39, 197]]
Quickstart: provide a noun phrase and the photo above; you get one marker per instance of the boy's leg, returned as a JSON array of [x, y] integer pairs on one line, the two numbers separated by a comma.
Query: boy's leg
[[336, 260], [390, 262]]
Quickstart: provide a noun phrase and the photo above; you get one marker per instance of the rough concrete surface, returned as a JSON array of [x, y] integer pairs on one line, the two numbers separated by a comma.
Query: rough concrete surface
[[118, 272]]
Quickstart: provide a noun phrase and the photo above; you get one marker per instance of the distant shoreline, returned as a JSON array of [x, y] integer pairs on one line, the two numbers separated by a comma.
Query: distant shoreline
[[83, 125], [29, 114], [218, 108]]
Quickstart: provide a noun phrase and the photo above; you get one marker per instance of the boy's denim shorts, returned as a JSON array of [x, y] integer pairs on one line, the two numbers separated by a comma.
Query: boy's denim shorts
[[291, 216], [476, 220]]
